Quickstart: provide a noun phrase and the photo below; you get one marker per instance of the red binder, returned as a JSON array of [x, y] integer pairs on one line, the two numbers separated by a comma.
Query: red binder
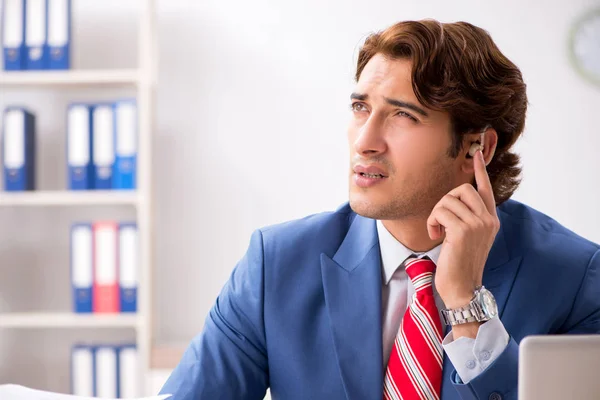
[[106, 282]]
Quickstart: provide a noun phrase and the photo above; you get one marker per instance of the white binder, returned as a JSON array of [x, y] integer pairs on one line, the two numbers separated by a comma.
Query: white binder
[[13, 40], [128, 266], [59, 34], [82, 267], [82, 371], [129, 382], [103, 145], [35, 34], [79, 157], [106, 372]]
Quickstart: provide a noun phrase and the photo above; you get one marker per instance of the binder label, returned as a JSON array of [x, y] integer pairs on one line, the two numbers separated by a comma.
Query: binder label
[[58, 33], [35, 27], [79, 137], [128, 257], [14, 139], [106, 372], [104, 154], [13, 26], [126, 128], [83, 375], [81, 253], [106, 271]]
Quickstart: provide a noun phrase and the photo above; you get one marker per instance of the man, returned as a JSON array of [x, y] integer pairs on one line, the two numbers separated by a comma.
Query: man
[[384, 297]]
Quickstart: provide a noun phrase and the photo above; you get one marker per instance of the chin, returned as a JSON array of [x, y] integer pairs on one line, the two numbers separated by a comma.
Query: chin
[[367, 206]]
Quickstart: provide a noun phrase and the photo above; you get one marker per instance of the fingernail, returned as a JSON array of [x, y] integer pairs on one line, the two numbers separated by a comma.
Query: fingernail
[[481, 155]]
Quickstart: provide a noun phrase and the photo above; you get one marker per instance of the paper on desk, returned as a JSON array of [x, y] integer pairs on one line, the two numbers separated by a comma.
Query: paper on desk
[[17, 392]]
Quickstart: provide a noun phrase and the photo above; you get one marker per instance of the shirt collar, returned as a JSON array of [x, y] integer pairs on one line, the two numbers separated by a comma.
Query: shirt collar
[[394, 253]]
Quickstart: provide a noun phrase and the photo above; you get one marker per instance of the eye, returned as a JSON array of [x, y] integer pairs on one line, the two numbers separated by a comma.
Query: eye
[[358, 107], [405, 114]]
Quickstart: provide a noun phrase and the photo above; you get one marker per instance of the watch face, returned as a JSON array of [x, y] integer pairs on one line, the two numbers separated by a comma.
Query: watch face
[[488, 303]]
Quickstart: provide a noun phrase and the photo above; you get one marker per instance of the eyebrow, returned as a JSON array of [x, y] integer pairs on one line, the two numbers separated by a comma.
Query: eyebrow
[[397, 103]]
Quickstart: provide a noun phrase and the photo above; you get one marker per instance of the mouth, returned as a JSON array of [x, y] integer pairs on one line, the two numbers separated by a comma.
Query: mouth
[[372, 176], [366, 177]]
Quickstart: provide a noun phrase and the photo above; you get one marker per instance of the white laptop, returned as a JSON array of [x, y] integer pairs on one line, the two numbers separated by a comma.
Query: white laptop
[[559, 367]]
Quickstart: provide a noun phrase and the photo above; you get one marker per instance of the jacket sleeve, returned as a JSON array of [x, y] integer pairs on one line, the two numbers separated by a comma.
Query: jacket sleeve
[[228, 359], [499, 380]]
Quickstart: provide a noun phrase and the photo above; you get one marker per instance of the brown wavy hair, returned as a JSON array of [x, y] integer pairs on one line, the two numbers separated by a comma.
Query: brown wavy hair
[[458, 69]]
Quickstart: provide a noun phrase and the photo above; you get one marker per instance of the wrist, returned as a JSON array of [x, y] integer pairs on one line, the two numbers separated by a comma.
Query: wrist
[[458, 299]]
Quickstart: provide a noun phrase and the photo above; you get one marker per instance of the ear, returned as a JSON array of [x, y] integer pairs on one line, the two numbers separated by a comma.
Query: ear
[[490, 141]]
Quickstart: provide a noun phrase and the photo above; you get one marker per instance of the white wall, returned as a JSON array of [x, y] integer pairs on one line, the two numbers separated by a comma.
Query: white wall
[[252, 112]]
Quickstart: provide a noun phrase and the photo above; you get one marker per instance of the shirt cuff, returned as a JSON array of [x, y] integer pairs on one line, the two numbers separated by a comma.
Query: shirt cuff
[[471, 357]]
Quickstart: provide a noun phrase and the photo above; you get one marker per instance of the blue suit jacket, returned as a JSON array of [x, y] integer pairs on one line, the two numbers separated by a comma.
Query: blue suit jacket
[[301, 313]]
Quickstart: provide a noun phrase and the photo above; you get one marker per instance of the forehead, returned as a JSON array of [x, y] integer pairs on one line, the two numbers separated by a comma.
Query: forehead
[[387, 77]]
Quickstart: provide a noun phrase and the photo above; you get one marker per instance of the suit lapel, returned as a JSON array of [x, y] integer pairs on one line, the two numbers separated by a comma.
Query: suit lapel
[[501, 268], [352, 286]]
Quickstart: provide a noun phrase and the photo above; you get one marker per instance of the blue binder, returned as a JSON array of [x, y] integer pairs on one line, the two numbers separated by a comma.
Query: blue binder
[[83, 372], [13, 34], [80, 164], [18, 149], [36, 33], [125, 173], [82, 267], [128, 266], [59, 34], [103, 148], [107, 371]]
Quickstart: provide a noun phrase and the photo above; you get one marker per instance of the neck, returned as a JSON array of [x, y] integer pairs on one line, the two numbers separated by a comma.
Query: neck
[[412, 233]]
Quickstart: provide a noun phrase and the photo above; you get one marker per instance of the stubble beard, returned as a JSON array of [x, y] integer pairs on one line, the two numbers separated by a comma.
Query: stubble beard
[[414, 200]]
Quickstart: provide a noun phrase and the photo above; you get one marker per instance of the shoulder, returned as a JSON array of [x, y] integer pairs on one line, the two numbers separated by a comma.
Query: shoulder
[[533, 233], [321, 230]]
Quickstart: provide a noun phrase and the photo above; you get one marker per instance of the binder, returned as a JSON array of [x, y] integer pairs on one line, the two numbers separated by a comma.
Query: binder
[[106, 287], [36, 30], [107, 374], [79, 147], [128, 266], [83, 371], [125, 145], [59, 34], [103, 149], [13, 34], [82, 267], [19, 149], [129, 382]]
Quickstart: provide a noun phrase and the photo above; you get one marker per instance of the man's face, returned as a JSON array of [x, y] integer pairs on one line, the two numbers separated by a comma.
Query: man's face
[[392, 134]]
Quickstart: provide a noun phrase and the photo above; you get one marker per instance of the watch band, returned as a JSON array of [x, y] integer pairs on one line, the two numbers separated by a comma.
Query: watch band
[[472, 312], [460, 315]]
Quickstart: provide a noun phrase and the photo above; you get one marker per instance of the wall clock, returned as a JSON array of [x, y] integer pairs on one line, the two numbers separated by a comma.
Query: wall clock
[[584, 46]]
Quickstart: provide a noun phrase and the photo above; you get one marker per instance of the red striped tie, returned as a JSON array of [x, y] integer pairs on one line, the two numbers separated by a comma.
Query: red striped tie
[[415, 367]]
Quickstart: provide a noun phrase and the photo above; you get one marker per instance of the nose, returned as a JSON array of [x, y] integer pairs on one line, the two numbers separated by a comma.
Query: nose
[[370, 140]]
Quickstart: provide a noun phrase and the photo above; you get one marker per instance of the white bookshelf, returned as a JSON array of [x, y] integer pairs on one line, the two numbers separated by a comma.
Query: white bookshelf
[[143, 80], [68, 320], [90, 78], [69, 198]]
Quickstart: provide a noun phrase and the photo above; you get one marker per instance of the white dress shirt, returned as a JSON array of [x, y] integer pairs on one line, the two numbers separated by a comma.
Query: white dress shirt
[[469, 356]]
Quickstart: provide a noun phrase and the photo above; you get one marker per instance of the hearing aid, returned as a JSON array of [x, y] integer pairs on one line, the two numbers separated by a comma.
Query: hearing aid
[[477, 145], [474, 147]]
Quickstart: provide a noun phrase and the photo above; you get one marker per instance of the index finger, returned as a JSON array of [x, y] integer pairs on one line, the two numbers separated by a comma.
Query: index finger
[[484, 186]]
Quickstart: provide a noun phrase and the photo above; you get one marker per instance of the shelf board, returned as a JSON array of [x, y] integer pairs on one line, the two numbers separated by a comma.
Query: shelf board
[[67, 320], [68, 198], [109, 77]]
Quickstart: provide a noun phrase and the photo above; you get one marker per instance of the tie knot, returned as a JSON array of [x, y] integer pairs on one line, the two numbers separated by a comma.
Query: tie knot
[[420, 271]]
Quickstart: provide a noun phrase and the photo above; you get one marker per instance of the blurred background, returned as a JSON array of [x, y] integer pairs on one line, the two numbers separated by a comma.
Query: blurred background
[[242, 124]]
